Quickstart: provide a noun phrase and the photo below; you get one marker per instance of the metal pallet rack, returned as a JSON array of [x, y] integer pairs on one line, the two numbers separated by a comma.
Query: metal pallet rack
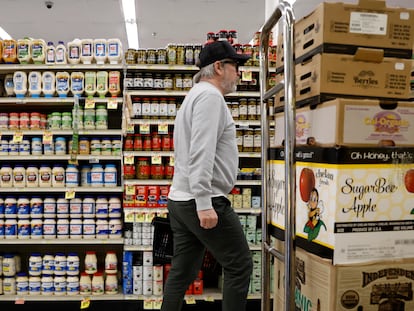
[[284, 13]]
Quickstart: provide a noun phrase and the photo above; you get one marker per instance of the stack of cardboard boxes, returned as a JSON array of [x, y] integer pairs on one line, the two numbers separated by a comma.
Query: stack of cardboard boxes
[[354, 160]]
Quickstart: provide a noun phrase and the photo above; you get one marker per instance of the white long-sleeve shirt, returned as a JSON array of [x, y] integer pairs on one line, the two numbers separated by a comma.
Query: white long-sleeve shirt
[[205, 147]]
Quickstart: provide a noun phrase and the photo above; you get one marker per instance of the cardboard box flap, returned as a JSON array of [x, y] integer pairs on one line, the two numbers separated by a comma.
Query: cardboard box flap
[[369, 55], [372, 4]]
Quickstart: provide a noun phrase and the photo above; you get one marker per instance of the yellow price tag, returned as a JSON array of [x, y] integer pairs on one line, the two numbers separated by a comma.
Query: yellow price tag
[[130, 190], [130, 129], [209, 299], [140, 217], [129, 159], [112, 103], [247, 76], [149, 217], [129, 216], [47, 137], [156, 159], [172, 161], [190, 300], [148, 304], [89, 103], [85, 303], [157, 304], [144, 129], [18, 137], [69, 194], [162, 128]]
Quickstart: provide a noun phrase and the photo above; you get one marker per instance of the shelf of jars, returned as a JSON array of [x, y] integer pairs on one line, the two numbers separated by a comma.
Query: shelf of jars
[[14, 67], [39, 297], [62, 189], [61, 132], [57, 241], [39, 101]]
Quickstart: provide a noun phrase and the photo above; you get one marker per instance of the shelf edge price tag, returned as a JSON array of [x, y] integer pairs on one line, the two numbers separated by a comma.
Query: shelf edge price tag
[[89, 103], [172, 160], [209, 299], [47, 137], [129, 216], [144, 129], [129, 159], [85, 303], [156, 159], [157, 304], [247, 76], [190, 300], [70, 194], [140, 217], [147, 304], [130, 190], [162, 128], [130, 129], [112, 104], [17, 137]]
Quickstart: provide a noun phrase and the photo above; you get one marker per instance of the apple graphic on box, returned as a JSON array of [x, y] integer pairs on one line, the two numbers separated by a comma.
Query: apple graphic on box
[[306, 183]]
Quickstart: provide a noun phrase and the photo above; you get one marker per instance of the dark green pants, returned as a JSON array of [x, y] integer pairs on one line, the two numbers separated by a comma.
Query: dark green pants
[[226, 242]]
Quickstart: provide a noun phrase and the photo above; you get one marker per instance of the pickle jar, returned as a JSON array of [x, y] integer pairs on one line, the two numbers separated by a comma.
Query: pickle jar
[[143, 168], [187, 81], [161, 56], [257, 140], [234, 109], [169, 169], [180, 54], [168, 82], [151, 56], [172, 54], [251, 109], [239, 139], [189, 54], [178, 82], [247, 49], [141, 56], [243, 109], [156, 142], [248, 140], [129, 171], [130, 56]]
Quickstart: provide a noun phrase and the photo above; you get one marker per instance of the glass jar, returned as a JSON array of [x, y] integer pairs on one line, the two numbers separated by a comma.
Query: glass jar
[[248, 140], [172, 54], [243, 109], [91, 262], [143, 168], [129, 142], [251, 109], [146, 142], [161, 56], [157, 171], [234, 108], [156, 142], [168, 82]]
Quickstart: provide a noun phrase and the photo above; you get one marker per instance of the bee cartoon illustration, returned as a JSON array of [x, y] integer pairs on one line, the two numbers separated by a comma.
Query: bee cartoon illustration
[[315, 209]]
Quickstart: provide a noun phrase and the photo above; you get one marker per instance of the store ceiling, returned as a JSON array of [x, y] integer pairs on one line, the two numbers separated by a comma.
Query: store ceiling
[[160, 21]]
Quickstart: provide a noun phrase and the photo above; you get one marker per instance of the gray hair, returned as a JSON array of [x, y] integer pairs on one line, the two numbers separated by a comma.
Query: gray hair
[[207, 72]]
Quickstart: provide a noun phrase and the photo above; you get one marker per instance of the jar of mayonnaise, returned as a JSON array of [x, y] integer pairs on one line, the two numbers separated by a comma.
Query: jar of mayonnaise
[[59, 283], [9, 285], [23, 208], [89, 228], [86, 56], [36, 229], [98, 286], [35, 285], [114, 51], [72, 267], [22, 284], [47, 288], [45, 176], [23, 229], [77, 83], [48, 263], [60, 264], [110, 175], [102, 83], [19, 176], [32, 176], [91, 262], [72, 285], [90, 83], [49, 228], [85, 284], [100, 51], [75, 228], [35, 83], [111, 284], [74, 51], [48, 83], [62, 228], [62, 83], [35, 264], [58, 173], [114, 228], [88, 207], [111, 262], [9, 265], [6, 176], [36, 207], [38, 51], [20, 83], [72, 176]]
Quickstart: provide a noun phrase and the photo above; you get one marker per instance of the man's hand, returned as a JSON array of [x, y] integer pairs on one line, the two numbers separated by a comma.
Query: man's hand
[[208, 218]]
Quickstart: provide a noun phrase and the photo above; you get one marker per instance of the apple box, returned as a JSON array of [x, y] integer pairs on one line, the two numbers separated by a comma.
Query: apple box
[[352, 204], [351, 122], [373, 286]]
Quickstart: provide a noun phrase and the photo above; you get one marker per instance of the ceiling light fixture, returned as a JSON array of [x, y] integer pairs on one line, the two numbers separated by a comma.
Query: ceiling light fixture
[[131, 27], [4, 35]]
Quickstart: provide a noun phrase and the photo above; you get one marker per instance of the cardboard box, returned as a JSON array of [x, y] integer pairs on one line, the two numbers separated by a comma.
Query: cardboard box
[[320, 286], [343, 27], [352, 204], [351, 122], [366, 74]]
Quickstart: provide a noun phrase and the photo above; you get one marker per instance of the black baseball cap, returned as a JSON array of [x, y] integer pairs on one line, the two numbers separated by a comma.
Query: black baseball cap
[[219, 50]]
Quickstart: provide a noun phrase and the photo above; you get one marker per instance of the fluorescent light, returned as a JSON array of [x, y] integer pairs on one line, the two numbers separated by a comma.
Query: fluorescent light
[[131, 27], [4, 35], [132, 35]]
